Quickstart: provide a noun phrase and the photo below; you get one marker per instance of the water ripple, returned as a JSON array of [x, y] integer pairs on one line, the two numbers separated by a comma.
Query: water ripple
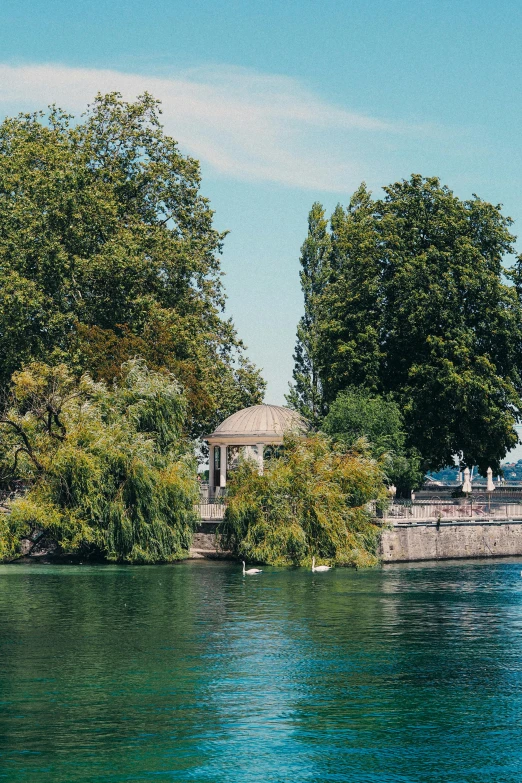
[[407, 674]]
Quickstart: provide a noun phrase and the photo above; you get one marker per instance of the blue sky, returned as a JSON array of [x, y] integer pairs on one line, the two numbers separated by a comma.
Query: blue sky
[[286, 103]]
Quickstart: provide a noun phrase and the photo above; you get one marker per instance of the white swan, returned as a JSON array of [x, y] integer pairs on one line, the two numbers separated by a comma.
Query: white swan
[[319, 568], [251, 571]]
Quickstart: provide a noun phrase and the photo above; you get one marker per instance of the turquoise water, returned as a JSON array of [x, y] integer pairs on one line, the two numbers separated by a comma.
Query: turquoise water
[[193, 673]]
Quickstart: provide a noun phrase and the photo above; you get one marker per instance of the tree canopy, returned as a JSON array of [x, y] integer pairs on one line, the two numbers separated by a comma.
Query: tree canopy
[[417, 302], [357, 413], [108, 251], [106, 469]]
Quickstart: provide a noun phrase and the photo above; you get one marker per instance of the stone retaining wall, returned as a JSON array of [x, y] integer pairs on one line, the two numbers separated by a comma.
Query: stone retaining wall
[[449, 541], [204, 541]]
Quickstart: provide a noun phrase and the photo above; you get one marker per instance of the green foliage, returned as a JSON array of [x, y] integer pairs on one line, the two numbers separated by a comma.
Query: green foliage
[[418, 305], [357, 413], [349, 312], [107, 468], [107, 252], [305, 393], [314, 500]]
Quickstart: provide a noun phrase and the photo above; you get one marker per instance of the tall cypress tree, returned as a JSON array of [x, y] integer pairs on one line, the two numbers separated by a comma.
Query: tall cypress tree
[[349, 309], [305, 393]]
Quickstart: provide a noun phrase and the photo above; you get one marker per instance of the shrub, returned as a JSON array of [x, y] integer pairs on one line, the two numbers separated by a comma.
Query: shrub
[[108, 470], [316, 499], [357, 413]]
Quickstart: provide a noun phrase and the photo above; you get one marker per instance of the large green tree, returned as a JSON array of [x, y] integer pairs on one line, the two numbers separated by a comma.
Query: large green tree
[[305, 393], [349, 349], [419, 305], [108, 251]]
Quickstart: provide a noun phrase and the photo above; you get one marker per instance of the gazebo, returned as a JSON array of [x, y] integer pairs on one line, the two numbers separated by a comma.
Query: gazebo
[[249, 431]]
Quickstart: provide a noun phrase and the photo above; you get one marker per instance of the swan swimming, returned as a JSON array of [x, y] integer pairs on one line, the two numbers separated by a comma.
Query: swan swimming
[[251, 571], [319, 568]]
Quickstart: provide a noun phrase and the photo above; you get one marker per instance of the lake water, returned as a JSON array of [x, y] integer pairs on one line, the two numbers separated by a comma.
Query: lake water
[[193, 673]]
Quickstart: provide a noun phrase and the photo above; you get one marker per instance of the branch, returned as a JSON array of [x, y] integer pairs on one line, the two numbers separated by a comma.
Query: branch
[[164, 222], [61, 426], [27, 446], [54, 414], [19, 450]]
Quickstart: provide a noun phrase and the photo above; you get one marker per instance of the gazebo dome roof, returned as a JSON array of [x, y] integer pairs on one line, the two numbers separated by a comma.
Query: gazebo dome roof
[[260, 421]]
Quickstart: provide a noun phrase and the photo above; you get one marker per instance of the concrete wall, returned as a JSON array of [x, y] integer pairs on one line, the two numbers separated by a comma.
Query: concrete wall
[[451, 541]]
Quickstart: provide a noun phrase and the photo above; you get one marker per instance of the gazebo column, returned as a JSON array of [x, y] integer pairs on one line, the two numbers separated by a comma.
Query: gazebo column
[[260, 449], [223, 466], [212, 467]]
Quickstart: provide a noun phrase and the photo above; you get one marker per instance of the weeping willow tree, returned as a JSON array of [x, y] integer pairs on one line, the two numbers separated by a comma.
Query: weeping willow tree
[[316, 499], [105, 468]]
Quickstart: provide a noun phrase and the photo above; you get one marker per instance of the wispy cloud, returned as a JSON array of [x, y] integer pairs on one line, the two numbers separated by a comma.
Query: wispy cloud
[[243, 124]]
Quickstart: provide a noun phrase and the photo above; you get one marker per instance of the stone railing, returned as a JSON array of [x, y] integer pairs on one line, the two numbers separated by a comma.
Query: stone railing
[[210, 511], [404, 512]]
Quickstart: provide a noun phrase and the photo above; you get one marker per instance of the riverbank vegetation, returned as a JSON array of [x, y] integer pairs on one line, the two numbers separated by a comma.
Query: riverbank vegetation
[[409, 298], [317, 498], [106, 470]]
